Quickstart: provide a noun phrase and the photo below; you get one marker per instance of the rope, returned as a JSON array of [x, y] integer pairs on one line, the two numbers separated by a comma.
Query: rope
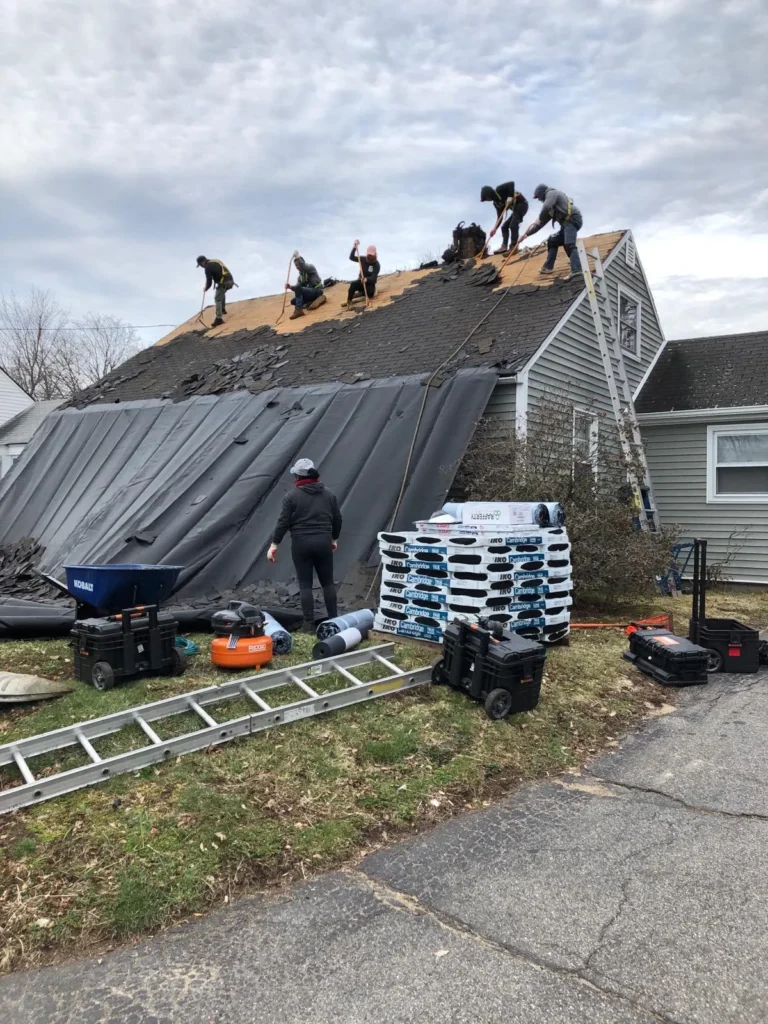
[[447, 360], [188, 646]]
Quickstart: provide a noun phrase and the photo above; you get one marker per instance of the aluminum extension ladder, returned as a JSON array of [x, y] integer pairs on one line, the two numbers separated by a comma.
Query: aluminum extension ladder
[[619, 388], [211, 733]]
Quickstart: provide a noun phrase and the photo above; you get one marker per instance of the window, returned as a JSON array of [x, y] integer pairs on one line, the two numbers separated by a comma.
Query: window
[[630, 314], [737, 463], [584, 441]]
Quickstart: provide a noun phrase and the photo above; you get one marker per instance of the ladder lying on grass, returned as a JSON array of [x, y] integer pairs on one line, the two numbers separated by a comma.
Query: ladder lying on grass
[[211, 733], [619, 388]]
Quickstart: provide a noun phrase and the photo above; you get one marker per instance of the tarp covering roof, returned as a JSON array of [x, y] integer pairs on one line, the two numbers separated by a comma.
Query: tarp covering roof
[[200, 483]]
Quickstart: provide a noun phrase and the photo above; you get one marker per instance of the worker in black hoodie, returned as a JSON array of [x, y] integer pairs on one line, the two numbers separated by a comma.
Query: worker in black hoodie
[[370, 268], [506, 198], [311, 513]]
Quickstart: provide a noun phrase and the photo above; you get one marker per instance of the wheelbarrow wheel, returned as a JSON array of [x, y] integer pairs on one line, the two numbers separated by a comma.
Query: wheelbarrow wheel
[[102, 676], [498, 704], [178, 662], [437, 671], [714, 660]]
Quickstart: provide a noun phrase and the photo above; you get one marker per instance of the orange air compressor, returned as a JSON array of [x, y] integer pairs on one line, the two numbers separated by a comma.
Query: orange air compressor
[[240, 641]]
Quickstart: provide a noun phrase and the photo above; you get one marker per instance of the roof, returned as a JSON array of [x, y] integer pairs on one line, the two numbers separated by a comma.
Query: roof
[[415, 322], [720, 372], [22, 427]]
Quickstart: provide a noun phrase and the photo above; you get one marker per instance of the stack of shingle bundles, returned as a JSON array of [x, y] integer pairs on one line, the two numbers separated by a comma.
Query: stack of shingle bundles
[[517, 575]]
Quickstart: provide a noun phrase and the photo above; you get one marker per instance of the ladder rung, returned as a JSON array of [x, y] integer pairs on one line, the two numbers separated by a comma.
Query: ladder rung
[[201, 712], [147, 728], [255, 698], [386, 664], [302, 685], [87, 746], [348, 675], [21, 764]]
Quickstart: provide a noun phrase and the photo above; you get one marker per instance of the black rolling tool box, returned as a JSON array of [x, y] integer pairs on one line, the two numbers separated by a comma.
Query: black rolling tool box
[[138, 641], [501, 669], [670, 660], [731, 646]]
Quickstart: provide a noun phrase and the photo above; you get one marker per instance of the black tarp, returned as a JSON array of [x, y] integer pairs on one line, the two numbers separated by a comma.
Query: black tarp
[[199, 483]]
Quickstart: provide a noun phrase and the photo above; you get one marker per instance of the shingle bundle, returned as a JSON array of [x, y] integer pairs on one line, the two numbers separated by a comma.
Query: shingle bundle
[[519, 576]]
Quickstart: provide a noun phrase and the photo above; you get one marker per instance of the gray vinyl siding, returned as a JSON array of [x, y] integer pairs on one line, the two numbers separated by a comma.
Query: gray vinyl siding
[[677, 461], [501, 404], [651, 335]]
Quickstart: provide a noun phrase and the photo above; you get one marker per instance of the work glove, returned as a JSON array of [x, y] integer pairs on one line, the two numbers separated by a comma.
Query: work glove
[[334, 546], [356, 244], [272, 553]]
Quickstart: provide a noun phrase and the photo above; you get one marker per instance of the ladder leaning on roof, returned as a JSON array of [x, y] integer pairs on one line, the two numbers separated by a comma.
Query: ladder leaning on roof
[[619, 389]]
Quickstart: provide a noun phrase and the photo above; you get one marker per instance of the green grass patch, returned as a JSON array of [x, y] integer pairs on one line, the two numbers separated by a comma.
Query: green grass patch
[[151, 847]]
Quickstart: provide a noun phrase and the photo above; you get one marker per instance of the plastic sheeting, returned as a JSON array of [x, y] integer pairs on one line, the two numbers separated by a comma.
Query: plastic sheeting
[[200, 483]]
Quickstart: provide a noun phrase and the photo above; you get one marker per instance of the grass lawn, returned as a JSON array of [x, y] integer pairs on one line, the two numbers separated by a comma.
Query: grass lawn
[[108, 863]]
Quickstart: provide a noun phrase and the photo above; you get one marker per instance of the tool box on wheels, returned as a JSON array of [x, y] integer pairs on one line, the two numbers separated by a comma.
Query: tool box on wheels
[[501, 669], [731, 645], [138, 641], [670, 660]]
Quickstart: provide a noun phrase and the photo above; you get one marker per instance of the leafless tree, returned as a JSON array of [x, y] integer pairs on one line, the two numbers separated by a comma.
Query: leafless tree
[[52, 356], [30, 339]]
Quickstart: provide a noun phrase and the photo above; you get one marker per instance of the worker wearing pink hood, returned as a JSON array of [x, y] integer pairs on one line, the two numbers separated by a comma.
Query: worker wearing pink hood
[[370, 271]]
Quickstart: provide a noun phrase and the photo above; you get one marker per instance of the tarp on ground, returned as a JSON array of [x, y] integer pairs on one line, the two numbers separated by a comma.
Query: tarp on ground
[[200, 483]]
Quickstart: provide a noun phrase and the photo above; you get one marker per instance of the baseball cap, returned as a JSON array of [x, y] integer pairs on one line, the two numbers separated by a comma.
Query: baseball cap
[[302, 467]]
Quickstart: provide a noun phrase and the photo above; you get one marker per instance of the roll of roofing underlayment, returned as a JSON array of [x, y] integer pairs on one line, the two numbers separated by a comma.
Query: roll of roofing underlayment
[[338, 643], [505, 513], [282, 641], [362, 620]]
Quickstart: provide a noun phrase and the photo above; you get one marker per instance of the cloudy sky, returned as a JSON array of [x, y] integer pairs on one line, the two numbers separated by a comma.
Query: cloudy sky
[[136, 135]]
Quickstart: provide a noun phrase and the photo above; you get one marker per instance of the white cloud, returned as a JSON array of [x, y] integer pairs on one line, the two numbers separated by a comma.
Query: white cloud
[[136, 135]]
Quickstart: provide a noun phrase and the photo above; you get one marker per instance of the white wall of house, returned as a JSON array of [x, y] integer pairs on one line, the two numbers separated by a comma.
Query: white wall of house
[[13, 399], [8, 455]]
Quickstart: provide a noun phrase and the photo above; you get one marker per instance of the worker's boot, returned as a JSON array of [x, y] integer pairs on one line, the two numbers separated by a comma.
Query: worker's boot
[[502, 248], [547, 270], [296, 314], [217, 322]]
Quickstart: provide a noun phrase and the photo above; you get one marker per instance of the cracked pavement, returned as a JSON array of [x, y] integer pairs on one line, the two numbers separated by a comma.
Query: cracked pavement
[[636, 892]]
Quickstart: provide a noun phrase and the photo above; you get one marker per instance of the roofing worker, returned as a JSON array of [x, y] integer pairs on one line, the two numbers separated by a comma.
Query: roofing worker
[[370, 268], [307, 290], [506, 197], [311, 513], [216, 271], [559, 208]]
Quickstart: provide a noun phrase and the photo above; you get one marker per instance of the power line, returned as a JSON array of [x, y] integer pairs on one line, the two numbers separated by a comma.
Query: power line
[[130, 327]]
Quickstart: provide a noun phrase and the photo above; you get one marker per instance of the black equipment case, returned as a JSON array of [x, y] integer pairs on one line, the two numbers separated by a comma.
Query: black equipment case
[[670, 660], [138, 641], [501, 669], [731, 646]]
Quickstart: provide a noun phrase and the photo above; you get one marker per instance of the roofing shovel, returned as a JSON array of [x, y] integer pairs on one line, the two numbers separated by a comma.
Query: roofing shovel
[[202, 307], [482, 254], [287, 282], [362, 278]]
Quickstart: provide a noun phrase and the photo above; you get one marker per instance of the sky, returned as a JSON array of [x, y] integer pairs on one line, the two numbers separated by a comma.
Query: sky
[[136, 136]]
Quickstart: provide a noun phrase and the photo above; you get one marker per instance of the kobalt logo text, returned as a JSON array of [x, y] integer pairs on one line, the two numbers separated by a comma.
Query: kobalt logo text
[[82, 585]]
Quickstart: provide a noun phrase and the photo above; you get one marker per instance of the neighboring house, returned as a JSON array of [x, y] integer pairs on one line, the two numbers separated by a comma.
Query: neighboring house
[[703, 412], [13, 399], [16, 434]]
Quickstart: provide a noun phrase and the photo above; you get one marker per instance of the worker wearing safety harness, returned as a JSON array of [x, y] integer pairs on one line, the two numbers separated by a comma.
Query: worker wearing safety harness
[[557, 207], [308, 290], [215, 271], [506, 198]]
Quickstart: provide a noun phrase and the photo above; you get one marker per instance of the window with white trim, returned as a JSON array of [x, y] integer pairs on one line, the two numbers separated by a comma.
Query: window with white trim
[[737, 463], [585, 427], [630, 322]]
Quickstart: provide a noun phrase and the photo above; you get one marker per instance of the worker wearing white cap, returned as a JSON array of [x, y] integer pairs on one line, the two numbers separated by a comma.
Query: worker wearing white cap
[[311, 515]]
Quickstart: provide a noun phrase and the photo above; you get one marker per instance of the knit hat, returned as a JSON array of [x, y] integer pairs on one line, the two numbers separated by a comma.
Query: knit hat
[[371, 251], [302, 467], [540, 192], [487, 194]]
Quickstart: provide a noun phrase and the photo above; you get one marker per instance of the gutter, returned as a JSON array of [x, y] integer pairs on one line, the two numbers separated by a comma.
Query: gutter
[[738, 413]]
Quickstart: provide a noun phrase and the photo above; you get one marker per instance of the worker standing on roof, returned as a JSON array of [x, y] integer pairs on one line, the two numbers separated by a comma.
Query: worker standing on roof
[[215, 271], [559, 208], [311, 513], [506, 198], [308, 290], [370, 269]]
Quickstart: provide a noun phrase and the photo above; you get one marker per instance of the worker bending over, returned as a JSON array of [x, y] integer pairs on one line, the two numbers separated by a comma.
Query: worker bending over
[[370, 269], [215, 271], [311, 513], [506, 198], [308, 290], [559, 208]]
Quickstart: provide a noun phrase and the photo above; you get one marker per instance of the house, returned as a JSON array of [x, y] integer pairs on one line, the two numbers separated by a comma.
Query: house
[[703, 412], [181, 453], [17, 432], [13, 399]]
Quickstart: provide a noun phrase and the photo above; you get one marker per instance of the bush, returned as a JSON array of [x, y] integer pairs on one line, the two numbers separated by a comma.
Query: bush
[[612, 557]]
